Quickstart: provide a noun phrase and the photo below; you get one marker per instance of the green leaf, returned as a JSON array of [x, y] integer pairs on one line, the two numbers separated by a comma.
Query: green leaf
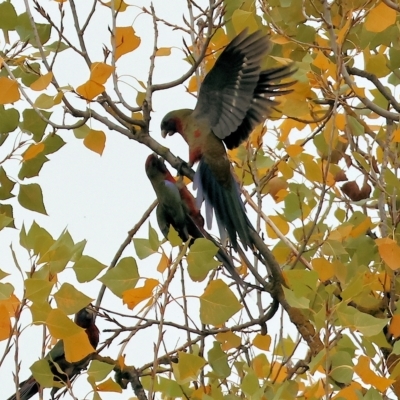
[[6, 290], [342, 367], [369, 325], [42, 373], [6, 185], [3, 274], [294, 301], [173, 237], [143, 248], [33, 123], [40, 312], [8, 18], [373, 394], [218, 361], [201, 259], [59, 253], [87, 268], [153, 238], [98, 371], [250, 384], [44, 101], [37, 239], [9, 118], [53, 143], [70, 300], [30, 197], [26, 33], [57, 46], [4, 221], [218, 303], [123, 277], [284, 347], [81, 132], [169, 388], [7, 210], [32, 167], [37, 290], [355, 127], [188, 367]]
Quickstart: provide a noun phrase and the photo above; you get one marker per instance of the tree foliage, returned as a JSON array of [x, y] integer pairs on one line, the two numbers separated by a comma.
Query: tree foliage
[[320, 179]]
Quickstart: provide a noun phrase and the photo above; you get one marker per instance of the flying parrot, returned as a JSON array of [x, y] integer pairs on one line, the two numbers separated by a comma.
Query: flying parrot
[[234, 98], [177, 207], [56, 358]]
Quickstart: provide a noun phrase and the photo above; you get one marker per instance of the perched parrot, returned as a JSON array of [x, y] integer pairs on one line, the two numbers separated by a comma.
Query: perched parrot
[[56, 358], [234, 97], [177, 207]]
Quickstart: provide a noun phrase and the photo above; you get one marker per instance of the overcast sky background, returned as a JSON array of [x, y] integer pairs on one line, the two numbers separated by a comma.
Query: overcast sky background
[[99, 198]]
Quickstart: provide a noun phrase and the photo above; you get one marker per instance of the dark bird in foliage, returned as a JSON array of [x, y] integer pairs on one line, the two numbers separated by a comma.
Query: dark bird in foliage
[[177, 208], [63, 370], [235, 97]]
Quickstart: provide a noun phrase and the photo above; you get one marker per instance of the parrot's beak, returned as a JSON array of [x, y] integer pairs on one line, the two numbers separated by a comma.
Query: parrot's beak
[[164, 133]]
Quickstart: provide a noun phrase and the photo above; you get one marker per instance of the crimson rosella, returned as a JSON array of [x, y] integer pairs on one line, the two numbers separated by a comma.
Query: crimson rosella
[[234, 97]]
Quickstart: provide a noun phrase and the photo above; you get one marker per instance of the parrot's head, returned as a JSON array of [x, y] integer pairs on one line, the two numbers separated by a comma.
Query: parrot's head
[[173, 122], [85, 317], [154, 166]]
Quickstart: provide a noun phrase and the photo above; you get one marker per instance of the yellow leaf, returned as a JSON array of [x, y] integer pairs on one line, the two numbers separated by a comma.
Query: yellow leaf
[[119, 5], [95, 141], [228, 340], [313, 171], [60, 326], [274, 186], [280, 223], [133, 297], [109, 386], [363, 370], [125, 41], [396, 136], [32, 151], [349, 392], [90, 90], [261, 366], [262, 342], [77, 347], [389, 250], [361, 228], [9, 92], [5, 323], [256, 137], [321, 61], [324, 268], [192, 87], [294, 150], [340, 121], [394, 327], [279, 39], [380, 18], [163, 51], [279, 372], [100, 72], [42, 82], [164, 263], [341, 35], [11, 304], [285, 169], [287, 126], [138, 116]]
